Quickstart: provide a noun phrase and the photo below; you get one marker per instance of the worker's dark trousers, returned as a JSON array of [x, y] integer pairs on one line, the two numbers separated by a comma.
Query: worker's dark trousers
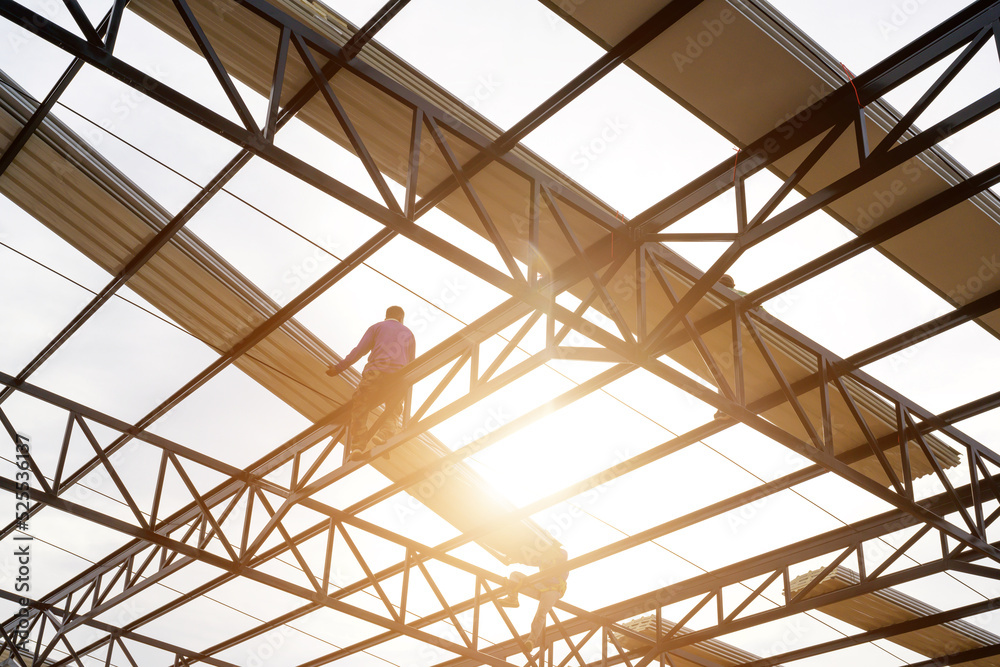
[[372, 392]]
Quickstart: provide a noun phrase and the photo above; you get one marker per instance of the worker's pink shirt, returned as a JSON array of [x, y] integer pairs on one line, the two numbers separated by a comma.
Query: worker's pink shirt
[[391, 344]]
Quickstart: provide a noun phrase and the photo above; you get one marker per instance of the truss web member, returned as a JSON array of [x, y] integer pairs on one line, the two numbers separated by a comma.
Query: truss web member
[[728, 281], [391, 346], [548, 590]]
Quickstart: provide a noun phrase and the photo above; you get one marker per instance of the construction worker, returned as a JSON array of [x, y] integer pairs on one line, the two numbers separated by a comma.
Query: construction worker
[[391, 346], [548, 590], [727, 281]]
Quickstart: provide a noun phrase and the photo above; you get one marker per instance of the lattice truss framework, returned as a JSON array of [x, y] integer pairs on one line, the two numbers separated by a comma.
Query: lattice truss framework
[[824, 409]]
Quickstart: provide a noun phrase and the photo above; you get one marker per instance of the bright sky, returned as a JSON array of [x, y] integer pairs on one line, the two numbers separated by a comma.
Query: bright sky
[[284, 236]]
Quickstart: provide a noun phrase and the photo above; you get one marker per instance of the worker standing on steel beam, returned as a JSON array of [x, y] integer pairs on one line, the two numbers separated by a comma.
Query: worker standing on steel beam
[[391, 346], [548, 590]]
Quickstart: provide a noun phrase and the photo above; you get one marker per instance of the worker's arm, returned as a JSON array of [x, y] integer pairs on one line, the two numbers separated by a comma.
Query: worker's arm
[[363, 347]]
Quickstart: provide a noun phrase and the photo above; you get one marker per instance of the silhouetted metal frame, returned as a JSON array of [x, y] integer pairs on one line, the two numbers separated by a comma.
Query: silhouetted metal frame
[[168, 563], [959, 119], [188, 534], [275, 120], [837, 545]]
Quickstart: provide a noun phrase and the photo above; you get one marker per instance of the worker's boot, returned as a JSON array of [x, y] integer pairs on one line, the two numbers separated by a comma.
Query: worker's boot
[[388, 429], [356, 446], [514, 586], [509, 601]]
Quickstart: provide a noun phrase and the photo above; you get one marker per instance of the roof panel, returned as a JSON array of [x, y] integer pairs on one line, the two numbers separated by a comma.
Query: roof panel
[[719, 84]]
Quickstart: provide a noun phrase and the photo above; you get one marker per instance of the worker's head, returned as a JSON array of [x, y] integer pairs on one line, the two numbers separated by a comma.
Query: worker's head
[[394, 313], [728, 281]]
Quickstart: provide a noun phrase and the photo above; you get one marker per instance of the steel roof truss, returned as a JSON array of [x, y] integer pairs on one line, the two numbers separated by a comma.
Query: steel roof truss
[[971, 545]]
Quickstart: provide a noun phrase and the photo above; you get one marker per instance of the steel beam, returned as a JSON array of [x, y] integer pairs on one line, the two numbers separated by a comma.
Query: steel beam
[[114, 634], [174, 226], [619, 54], [825, 114], [894, 72], [774, 563], [226, 565]]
